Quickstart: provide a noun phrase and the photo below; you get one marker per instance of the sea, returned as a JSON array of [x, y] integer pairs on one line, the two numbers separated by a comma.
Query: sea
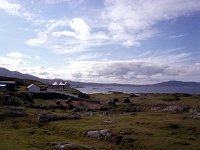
[[142, 89]]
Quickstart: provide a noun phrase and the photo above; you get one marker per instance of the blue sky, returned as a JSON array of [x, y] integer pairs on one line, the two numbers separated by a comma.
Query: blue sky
[[115, 41]]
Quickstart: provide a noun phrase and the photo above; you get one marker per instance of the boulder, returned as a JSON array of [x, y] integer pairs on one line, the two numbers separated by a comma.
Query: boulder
[[109, 122], [50, 117], [93, 134], [75, 116], [16, 112], [70, 146], [103, 133]]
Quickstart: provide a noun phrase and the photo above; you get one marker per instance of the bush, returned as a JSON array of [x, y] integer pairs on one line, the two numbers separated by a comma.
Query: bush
[[83, 95], [14, 101], [25, 97], [127, 100], [116, 100]]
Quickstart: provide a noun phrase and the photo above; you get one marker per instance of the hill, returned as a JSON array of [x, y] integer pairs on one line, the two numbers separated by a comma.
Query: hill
[[14, 74]]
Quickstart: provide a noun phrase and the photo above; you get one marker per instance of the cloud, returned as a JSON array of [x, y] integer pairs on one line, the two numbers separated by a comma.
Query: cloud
[[81, 28], [12, 63], [77, 39], [42, 38], [150, 69], [64, 33], [124, 23], [16, 9], [177, 36], [37, 57], [55, 23], [61, 1], [16, 55], [131, 22], [138, 70]]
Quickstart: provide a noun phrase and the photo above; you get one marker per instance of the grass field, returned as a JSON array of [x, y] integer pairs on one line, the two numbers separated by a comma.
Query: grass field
[[139, 130]]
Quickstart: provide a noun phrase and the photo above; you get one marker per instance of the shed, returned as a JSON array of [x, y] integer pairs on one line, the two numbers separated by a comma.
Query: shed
[[2, 87], [33, 88], [9, 85]]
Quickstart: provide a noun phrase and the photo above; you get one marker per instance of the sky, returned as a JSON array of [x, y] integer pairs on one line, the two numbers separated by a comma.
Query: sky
[[104, 41]]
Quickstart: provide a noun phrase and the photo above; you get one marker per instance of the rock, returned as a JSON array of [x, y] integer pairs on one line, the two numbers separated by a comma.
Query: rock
[[175, 108], [49, 117], [104, 133], [109, 122], [71, 146], [126, 141], [117, 139], [75, 116], [16, 112], [93, 134], [196, 115]]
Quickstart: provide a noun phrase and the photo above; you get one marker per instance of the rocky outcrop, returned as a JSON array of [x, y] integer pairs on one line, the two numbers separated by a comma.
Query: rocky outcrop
[[14, 112], [103, 133], [71, 146]]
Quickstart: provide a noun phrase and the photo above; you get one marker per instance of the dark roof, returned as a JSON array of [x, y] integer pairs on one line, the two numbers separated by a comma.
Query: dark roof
[[7, 82]]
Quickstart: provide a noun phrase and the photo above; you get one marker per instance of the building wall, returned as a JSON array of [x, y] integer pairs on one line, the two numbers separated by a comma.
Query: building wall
[[2, 88], [10, 87], [33, 89]]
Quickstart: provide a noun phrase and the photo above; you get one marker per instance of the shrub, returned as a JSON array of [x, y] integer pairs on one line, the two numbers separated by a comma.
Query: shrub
[[116, 100], [127, 100]]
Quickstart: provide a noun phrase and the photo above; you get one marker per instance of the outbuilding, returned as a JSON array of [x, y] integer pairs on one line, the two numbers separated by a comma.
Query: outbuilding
[[33, 88], [2, 87], [7, 85]]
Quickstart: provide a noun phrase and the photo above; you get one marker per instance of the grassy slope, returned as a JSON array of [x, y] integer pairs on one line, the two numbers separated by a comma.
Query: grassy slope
[[149, 130]]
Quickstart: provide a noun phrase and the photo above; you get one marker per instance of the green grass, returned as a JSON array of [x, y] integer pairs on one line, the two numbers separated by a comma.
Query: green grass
[[149, 130]]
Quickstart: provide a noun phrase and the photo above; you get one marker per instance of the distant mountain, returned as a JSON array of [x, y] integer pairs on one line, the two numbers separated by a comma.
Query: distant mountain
[[177, 83], [14, 74]]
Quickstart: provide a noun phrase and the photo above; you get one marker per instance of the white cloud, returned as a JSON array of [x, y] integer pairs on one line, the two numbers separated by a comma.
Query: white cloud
[[61, 1], [81, 28], [177, 36], [131, 22], [42, 38], [16, 55], [37, 57], [19, 64], [125, 23], [52, 24], [135, 71], [17, 9], [138, 70], [63, 33], [12, 63]]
